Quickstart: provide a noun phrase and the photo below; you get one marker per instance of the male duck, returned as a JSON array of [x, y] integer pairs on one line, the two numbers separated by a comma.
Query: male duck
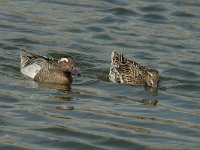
[[123, 70], [43, 69]]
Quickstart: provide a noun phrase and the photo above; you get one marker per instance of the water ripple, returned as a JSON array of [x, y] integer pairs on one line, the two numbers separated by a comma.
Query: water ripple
[[95, 113]]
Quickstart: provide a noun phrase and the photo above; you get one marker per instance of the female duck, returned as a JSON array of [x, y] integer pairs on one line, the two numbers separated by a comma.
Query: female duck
[[123, 70], [43, 69]]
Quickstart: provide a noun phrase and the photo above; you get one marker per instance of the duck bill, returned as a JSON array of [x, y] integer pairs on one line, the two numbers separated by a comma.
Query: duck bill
[[73, 71], [154, 86]]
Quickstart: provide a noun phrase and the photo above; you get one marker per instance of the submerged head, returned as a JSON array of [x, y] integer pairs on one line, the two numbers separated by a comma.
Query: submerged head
[[152, 78], [67, 64]]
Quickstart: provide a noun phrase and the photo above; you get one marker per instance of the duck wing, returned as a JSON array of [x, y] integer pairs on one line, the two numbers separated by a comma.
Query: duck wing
[[28, 58]]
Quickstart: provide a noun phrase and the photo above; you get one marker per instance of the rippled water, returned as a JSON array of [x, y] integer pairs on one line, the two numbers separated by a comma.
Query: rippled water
[[95, 113]]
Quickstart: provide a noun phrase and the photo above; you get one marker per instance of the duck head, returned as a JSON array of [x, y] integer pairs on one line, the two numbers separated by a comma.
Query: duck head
[[67, 64], [152, 78]]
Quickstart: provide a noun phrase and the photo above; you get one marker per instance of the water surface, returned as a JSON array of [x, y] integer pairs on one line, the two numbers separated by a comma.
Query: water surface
[[95, 113]]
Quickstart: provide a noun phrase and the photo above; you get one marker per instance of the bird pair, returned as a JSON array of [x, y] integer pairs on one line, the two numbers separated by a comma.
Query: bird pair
[[60, 71]]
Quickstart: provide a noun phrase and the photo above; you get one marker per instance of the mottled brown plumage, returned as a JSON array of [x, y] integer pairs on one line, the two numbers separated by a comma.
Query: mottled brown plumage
[[43, 69], [126, 71]]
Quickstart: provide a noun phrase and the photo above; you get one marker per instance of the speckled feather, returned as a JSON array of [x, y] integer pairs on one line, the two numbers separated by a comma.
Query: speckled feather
[[43, 69], [126, 71]]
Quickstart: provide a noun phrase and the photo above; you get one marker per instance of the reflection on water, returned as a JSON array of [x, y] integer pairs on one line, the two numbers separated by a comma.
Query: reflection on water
[[143, 101], [94, 113], [61, 87]]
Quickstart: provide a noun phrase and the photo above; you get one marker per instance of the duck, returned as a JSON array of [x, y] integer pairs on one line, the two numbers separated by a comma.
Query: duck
[[126, 71], [49, 70]]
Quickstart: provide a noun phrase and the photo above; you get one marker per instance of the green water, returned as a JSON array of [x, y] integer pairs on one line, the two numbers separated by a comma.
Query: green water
[[96, 113]]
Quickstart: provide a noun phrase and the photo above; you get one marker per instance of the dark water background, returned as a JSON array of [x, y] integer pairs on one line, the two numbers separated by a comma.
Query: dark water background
[[95, 113]]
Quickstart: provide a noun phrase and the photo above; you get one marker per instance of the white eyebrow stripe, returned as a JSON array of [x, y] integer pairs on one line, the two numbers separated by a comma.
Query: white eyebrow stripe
[[63, 59]]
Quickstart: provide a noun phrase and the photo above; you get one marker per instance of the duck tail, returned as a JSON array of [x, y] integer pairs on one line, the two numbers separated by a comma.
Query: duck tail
[[25, 57], [113, 55]]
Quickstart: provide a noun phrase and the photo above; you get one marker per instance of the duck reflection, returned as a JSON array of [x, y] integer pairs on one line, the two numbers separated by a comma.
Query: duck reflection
[[152, 102], [151, 89], [60, 87]]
